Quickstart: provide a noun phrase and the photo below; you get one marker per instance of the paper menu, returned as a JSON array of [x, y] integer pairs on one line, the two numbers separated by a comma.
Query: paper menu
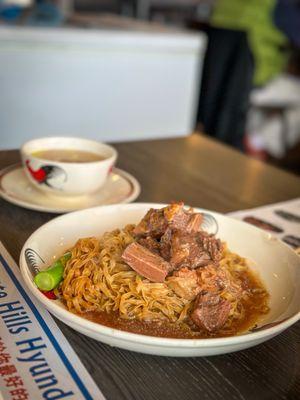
[[280, 219], [36, 360]]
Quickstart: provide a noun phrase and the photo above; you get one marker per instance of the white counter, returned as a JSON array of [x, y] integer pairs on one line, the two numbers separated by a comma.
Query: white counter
[[110, 85]]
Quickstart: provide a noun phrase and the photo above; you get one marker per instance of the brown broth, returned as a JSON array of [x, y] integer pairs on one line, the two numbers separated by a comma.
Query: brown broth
[[255, 307], [68, 156]]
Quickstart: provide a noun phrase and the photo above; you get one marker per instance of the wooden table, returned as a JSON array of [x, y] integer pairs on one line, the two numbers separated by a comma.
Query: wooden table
[[206, 174]]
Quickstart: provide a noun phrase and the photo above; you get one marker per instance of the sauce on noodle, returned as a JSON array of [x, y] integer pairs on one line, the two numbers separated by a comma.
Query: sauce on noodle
[[255, 307]]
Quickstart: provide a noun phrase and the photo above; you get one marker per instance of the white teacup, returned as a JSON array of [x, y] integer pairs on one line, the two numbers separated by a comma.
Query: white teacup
[[67, 178]]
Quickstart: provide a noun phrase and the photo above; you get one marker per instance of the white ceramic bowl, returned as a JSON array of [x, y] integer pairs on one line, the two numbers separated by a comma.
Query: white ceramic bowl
[[65, 178], [277, 265]]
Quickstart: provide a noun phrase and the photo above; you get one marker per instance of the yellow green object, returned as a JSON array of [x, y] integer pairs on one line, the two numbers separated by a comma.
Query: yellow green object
[[48, 279], [265, 40]]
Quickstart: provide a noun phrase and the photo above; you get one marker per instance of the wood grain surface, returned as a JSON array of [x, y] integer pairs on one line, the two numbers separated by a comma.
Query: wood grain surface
[[206, 174]]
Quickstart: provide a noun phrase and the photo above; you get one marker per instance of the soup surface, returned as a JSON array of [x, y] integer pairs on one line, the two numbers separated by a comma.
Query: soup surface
[[69, 156]]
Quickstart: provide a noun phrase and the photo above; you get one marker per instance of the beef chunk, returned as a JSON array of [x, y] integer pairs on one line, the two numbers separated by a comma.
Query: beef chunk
[[210, 311], [184, 283], [194, 223], [214, 279], [180, 219], [211, 245], [211, 278], [150, 243], [166, 239], [153, 224], [193, 250], [174, 216], [187, 252], [165, 244], [146, 263]]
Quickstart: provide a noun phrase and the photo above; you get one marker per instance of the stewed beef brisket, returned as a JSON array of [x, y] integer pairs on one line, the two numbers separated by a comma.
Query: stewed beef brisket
[[153, 224], [210, 312], [174, 216], [185, 283], [165, 244], [169, 242], [150, 243], [194, 250], [146, 263]]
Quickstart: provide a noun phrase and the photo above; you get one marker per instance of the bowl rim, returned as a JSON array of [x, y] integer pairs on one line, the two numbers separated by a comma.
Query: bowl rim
[[113, 156], [65, 315]]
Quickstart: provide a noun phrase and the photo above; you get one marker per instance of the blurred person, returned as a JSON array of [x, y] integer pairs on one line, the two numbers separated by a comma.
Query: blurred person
[[245, 49], [266, 41], [274, 120], [287, 19]]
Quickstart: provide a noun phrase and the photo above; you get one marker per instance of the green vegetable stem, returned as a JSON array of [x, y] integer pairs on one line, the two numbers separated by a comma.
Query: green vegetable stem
[[48, 279]]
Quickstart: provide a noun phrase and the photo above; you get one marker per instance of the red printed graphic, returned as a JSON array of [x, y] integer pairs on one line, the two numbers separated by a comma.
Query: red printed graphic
[[50, 175]]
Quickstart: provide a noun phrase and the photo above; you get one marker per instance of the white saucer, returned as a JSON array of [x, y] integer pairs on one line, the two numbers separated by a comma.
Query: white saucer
[[120, 187]]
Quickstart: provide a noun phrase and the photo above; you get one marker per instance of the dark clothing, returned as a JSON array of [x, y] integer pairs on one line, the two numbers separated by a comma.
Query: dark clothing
[[226, 84], [287, 19]]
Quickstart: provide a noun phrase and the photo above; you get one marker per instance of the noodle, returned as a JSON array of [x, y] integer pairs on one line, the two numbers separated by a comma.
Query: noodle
[[97, 279]]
